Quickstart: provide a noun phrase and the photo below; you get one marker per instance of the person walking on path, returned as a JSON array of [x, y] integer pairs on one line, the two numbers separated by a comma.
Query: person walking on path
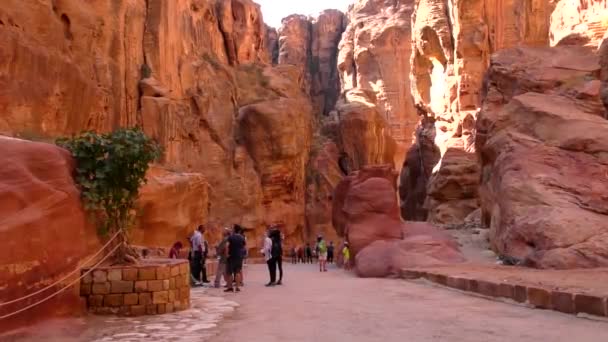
[[294, 255], [236, 243], [308, 253], [222, 259], [196, 241], [346, 256], [277, 252], [267, 252], [301, 254], [322, 247], [330, 253]]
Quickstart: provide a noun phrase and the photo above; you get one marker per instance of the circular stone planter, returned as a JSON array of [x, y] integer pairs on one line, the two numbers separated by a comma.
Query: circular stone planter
[[155, 286]]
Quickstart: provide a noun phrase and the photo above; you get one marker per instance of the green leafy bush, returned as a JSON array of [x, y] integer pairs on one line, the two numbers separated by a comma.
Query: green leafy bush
[[110, 169]]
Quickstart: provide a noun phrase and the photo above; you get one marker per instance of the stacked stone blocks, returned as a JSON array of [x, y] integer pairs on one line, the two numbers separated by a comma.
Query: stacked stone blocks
[[147, 289]]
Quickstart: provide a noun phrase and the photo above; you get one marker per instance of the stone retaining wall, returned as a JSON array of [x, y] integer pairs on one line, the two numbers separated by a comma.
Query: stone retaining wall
[[561, 300], [153, 287]]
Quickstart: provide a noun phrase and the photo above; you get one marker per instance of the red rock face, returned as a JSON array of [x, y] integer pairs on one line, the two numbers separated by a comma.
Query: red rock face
[[43, 227], [542, 143], [366, 212]]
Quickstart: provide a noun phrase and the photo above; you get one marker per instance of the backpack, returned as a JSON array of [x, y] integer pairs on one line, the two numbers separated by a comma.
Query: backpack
[[275, 252]]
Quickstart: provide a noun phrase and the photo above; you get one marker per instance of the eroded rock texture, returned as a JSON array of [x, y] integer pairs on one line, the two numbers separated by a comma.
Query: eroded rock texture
[[39, 207], [193, 74], [366, 213], [374, 69], [452, 44], [312, 45], [542, 142]]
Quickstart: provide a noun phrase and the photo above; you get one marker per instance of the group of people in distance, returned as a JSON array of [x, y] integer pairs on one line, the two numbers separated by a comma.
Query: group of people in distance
[[231, 253], [324, 253]]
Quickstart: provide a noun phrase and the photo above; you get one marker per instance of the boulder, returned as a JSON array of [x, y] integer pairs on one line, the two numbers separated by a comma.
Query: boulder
[[543, 148], [386, 258], [349, 206], [43, 227]]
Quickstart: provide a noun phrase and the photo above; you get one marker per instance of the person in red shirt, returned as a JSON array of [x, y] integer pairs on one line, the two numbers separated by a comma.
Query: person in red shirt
[[175, 250]]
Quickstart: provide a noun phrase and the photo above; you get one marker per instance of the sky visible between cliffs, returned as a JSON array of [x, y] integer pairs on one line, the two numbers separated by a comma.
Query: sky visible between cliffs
[[275, 10]]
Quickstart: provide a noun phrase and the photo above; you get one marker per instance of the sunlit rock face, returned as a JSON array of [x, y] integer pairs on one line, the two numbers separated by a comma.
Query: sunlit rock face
[[374, 71], [194, 75], [542, 147], [451, 49]]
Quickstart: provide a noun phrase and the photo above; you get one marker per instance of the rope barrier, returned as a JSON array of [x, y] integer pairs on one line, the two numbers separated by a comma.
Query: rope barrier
[[64, 278], [62, 289]]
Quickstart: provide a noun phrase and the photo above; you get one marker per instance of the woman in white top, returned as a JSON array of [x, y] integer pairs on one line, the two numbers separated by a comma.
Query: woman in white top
[[270, 261]]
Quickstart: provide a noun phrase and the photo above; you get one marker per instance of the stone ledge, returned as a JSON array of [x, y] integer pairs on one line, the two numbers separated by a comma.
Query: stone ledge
[[542, 297]]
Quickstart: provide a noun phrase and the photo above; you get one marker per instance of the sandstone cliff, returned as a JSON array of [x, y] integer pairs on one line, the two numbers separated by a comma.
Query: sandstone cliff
[[194, 75], [452, 44], [541, 137], [374, 71]]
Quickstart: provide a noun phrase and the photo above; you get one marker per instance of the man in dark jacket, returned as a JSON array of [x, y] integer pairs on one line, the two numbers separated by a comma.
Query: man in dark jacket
[[277, 251]]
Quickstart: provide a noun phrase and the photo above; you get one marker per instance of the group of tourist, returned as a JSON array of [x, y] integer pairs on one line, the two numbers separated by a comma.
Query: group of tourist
[[324, 253], [231, 253]]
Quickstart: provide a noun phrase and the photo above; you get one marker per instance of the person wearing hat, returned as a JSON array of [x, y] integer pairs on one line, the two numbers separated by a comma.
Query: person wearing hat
[[322, 246]]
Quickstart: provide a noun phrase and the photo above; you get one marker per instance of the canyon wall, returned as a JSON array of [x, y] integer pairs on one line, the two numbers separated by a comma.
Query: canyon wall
[[541, 138], [452, 44], [195, 75]]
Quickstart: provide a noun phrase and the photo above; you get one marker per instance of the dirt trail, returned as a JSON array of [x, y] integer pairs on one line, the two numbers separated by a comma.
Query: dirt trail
[[335, 306]]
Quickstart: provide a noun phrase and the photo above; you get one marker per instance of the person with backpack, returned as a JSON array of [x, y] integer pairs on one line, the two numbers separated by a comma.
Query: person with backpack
[[322, 250]]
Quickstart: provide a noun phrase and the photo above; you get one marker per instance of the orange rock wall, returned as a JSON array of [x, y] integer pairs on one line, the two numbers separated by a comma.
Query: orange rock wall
[[190, 73]]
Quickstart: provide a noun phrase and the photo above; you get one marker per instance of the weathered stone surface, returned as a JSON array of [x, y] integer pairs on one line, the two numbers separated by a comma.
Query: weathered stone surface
[[44, 229], [160, 297], [121, 286], [172, 205], [129, 274], [131, 299], [373, 63], [542, 148], [326, 33], [294, 45], [114, 274], [180, 69], [365, 207], [581, 22], [101, 288], [366, 212], [147, 273], [385, 258], [113, 300]]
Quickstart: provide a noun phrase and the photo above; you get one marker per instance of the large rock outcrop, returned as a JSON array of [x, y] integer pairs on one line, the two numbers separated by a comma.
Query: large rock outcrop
[[542, 143], [374, 69], [39, 207], [452, 45], [366, 212], [182, 70]]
